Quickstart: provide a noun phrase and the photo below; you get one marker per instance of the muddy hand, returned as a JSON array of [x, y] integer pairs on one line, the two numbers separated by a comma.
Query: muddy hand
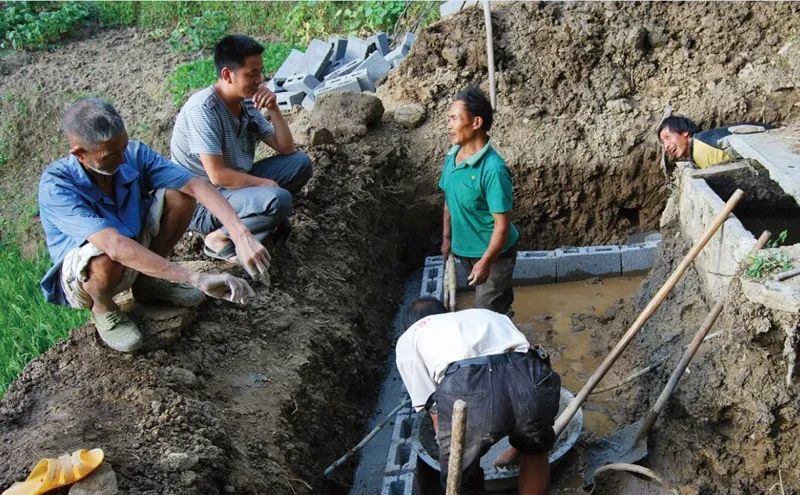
[[479, 274], [225, 286], [507, 458], [254, 257]]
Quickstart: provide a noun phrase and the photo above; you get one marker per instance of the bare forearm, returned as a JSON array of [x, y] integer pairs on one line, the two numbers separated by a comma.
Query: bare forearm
[[133, 255], [446, 232], [496, 242], [234, 179], [209, 197], [284, 142]]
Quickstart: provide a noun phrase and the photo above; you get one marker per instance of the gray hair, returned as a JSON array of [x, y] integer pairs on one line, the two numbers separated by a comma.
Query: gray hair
[[92, 121]]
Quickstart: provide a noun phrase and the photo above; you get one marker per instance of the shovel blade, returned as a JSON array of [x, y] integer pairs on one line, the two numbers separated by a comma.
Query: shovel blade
[[620, 446]]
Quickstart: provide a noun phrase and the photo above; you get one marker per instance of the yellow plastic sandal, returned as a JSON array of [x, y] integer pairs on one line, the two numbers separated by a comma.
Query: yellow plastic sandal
[[49, 474]]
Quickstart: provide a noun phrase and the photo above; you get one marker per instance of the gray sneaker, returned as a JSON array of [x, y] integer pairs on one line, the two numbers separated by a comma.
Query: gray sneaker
[[149, 289], [118, 331]]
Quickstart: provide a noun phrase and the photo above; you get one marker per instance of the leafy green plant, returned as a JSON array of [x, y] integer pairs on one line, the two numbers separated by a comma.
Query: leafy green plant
[[115, 13], [767, 262], [25, 27], [200, 32], [190, 76]]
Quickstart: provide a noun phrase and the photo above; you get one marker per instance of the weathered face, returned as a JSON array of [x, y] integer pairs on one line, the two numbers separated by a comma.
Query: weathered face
[[461, 126], [247, 78], [675, 144], [106, 158]]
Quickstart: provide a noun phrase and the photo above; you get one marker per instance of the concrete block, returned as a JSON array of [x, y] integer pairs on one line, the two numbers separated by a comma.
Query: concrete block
[[402, 484], [579, 263], [301, 82], [344, 69], [316, 58], [783, 296], [380, 42], [339, 47], [293, 64], [638, 257], [357, 49], [434, 260], [450, 7], [375, 66], [289, 99], [308, 102], [432, 279], [396, 62], [344, 83], [275, 87], [408, 39], [398, 53], [402, 457], [535, 267], [364, 79]]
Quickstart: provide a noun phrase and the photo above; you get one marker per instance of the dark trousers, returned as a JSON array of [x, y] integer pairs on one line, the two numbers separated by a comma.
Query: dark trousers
[[496, 293]]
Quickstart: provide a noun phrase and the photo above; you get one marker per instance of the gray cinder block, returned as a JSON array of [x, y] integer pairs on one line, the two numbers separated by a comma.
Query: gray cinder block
[[432, 278], [344, 69], [289, 99], [293, 64], [398, 53], [339, 47], [275, 87], [408, 39], [375, 65], [364, 79], [380, 42], [402, 484], [580, 263], [535, 267], [357, 49], [309, 101], [344, 83], [301, 82], [316, 58], [434, 260], [639, 257]]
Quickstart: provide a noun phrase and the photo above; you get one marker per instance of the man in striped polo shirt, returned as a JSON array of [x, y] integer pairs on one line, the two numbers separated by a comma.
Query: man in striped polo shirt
[[215, 137]]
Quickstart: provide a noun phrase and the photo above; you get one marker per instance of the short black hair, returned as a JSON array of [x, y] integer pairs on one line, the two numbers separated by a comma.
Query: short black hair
[[420, 308], [477, 104], [678, 123], [231, 51]]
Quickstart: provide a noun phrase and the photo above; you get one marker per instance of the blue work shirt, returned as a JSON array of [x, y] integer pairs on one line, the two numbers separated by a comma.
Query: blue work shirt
[[72, 207]]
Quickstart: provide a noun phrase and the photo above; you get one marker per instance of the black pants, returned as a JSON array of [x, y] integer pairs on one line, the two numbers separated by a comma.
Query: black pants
[[496, 293], [515, 394]]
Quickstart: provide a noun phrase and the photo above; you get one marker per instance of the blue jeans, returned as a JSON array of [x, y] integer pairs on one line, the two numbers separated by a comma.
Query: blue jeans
[[261, 208]]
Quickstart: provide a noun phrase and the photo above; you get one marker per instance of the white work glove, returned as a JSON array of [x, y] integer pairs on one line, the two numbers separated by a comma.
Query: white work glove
[[225, 286]]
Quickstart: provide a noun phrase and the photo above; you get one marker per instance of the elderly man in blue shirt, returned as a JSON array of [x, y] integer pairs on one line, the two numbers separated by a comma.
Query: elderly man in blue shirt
[[112, 210]]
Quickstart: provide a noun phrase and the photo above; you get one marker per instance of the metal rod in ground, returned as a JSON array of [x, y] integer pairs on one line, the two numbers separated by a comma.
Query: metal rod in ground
[[366, 439], [564, 418], [454, 466], [487, 19]]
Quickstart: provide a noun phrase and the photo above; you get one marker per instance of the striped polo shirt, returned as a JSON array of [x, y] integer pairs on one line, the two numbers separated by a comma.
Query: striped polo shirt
[[206, 126]]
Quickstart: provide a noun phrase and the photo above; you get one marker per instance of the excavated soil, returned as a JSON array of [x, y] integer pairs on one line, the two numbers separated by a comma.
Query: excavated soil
[[260, 399]]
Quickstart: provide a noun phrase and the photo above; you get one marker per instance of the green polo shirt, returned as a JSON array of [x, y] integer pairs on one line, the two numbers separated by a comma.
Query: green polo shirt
[[474, 190]]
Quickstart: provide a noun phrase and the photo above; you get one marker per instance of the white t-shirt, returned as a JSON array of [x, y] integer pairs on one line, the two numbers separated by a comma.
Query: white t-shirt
[[426, 349]]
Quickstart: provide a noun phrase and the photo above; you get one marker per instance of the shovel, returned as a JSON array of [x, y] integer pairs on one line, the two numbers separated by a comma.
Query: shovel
[[564, 418], [629, 445]]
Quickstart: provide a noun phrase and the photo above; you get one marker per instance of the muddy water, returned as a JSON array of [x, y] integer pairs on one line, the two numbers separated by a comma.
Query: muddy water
[[552, 316]]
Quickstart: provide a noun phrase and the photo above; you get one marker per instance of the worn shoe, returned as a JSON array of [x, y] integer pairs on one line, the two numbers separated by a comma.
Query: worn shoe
[[149, 289], [118, 331]]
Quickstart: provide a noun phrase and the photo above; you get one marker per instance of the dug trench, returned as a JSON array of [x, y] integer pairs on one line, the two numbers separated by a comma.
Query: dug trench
[[260, 399]]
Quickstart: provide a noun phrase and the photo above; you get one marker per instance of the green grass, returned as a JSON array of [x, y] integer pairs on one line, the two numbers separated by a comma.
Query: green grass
[[200, 73], [35, 25], [29, 325]]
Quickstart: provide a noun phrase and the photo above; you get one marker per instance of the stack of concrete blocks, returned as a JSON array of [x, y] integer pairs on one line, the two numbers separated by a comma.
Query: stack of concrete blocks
[[401, 463], [339, 64], [566, 264]]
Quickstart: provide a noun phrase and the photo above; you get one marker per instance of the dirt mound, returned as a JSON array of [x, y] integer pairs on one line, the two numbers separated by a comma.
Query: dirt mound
[[581, 89]]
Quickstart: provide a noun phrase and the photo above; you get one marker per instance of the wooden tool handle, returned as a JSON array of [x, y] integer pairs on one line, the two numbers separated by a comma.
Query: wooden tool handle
[[456, 462], [652, 306]]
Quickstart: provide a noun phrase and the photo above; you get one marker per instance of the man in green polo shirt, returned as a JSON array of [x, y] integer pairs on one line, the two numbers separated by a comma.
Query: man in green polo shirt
[[478, 200]]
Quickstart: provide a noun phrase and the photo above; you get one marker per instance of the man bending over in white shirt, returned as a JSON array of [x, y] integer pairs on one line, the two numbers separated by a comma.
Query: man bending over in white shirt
[[480, 357]]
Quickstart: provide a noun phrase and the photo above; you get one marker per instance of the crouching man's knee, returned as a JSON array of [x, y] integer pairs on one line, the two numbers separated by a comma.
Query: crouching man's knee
[[103, 276]]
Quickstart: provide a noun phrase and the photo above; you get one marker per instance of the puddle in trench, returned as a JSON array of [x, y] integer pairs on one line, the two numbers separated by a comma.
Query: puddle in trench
[[544, 314]]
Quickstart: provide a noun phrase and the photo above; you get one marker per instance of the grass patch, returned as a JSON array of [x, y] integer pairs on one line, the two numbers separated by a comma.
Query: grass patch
[[29, 325], [201, 73]]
